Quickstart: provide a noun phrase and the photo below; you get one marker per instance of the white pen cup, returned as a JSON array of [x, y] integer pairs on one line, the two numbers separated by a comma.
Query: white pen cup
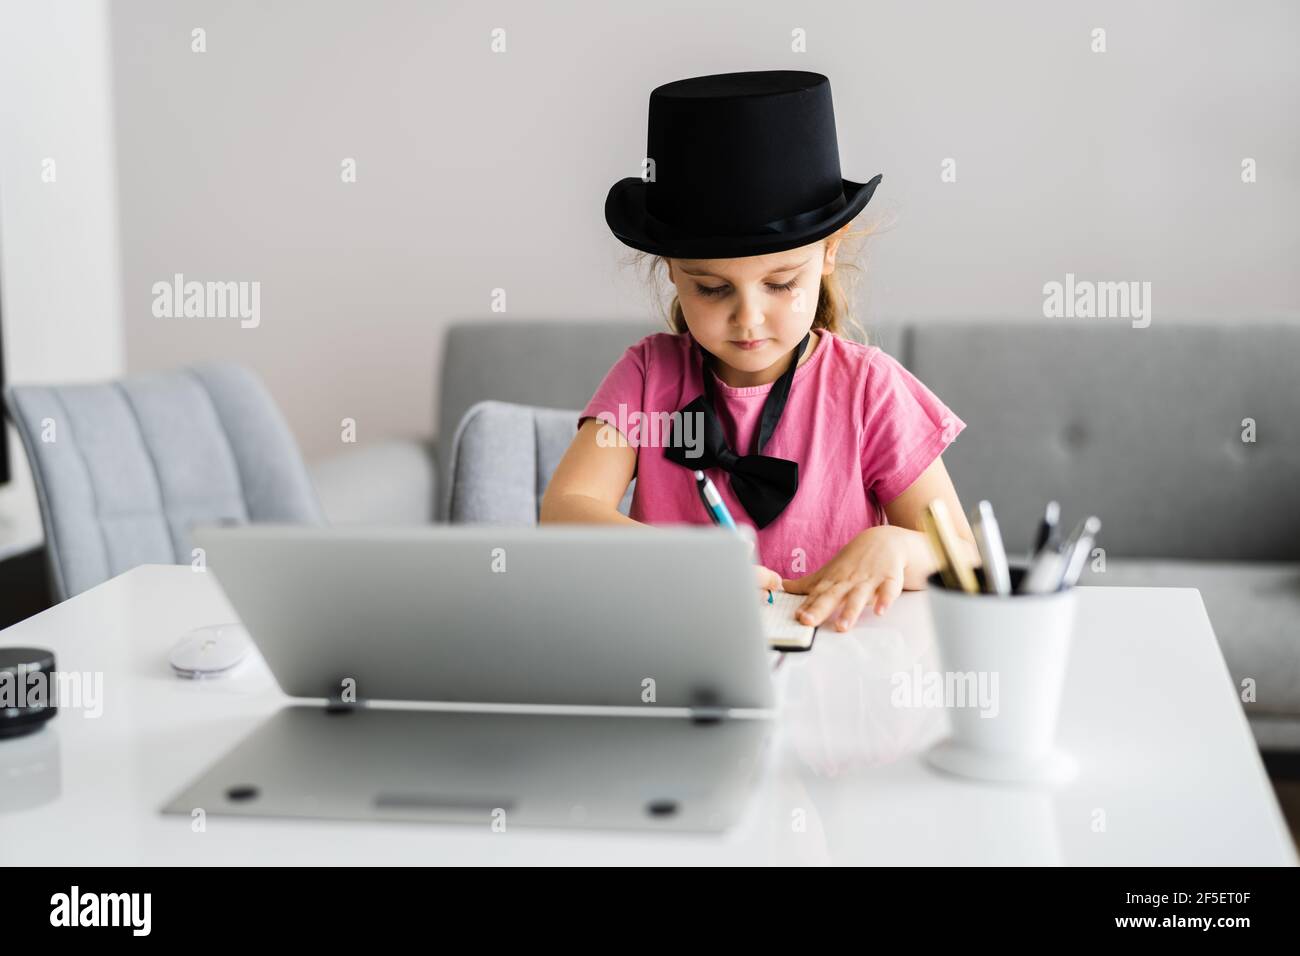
[[1002, 662]]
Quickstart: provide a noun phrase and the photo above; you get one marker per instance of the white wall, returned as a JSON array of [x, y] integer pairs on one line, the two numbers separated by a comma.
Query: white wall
[[59, 261], [481, 170]]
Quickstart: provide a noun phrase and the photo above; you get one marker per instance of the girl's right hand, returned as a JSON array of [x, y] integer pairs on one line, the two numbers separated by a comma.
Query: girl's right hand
[[768, 580]]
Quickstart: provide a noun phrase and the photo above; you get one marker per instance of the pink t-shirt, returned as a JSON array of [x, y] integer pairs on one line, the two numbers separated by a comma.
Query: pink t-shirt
[[861, 427]]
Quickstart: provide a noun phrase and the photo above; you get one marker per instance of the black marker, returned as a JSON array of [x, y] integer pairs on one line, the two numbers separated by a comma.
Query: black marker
[[1047, 530]]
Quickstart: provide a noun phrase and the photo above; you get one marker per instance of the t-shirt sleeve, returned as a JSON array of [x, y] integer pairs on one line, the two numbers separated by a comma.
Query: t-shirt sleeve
[[905, 428], [623, 386]]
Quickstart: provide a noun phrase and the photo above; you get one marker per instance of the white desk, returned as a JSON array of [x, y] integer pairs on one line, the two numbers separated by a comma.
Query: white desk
[[1150, 714]]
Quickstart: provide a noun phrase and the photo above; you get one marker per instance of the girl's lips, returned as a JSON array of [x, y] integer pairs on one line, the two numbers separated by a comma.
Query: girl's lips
[[750, 345]]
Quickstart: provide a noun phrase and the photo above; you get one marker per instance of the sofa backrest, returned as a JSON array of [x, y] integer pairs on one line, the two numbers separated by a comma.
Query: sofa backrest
[[541, 363], [548, 364], [1140, 426]]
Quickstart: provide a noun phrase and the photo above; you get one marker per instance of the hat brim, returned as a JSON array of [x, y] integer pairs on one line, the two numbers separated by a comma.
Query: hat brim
[[625, 213]]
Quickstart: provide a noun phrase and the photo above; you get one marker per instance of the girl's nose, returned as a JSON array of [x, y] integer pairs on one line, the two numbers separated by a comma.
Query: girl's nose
[[749, 313]]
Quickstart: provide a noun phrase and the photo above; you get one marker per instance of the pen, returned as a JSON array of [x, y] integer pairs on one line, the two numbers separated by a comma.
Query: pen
[[1044, 573], [1046, 530], [1078, 548], [988, 538], [713, 501], [717, 510]]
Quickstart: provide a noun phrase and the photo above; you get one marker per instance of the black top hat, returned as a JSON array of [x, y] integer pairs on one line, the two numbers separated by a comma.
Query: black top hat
[[741, 164]]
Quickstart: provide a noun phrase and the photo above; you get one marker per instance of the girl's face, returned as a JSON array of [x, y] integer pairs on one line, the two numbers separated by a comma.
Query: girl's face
[[752, 312]]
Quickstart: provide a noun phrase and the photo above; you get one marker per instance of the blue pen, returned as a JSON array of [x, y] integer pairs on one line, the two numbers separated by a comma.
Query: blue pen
[[717, 510], [713, 501]]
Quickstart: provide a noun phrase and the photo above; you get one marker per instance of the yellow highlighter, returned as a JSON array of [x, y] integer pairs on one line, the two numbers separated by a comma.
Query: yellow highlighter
[[940, 555], [960, 567]]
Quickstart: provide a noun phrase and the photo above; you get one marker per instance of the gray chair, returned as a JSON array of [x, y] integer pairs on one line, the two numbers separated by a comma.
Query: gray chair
[[124, 470], [552, 364], [501, 459], [543, 364]]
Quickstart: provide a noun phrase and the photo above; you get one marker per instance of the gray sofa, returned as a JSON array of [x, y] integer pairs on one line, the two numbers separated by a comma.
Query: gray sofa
[[1142, 427]]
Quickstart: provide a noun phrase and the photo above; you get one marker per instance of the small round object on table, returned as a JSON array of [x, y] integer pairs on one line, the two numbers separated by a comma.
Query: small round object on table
[[27, 690]]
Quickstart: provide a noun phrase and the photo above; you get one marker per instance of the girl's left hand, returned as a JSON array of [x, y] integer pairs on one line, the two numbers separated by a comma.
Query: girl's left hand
[[871, 567]]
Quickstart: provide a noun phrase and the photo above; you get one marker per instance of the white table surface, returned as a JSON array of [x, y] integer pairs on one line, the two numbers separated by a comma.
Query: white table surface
[[1150, 714]]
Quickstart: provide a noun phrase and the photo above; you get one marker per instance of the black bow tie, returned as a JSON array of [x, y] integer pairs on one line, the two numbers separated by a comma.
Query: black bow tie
[[763, 484]]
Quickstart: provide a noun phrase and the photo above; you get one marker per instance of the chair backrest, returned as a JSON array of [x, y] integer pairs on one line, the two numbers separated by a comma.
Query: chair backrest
[[123, 470], [1140, 426], [544, 364], [501, 459]]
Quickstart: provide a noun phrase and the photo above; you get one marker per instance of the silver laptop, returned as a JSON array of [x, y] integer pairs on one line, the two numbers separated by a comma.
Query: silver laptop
[[649, 618]]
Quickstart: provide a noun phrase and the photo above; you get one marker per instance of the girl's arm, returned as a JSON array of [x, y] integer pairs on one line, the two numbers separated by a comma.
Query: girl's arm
[[591, 478]]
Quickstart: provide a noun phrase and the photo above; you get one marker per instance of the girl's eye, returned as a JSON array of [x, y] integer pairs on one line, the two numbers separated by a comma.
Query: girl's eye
[[708, 290]]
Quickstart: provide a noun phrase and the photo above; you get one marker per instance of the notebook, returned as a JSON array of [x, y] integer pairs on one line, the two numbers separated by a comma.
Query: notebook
[[783, 632]]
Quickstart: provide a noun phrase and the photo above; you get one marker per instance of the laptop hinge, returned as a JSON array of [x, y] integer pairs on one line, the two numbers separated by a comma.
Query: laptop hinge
[[709, 714]]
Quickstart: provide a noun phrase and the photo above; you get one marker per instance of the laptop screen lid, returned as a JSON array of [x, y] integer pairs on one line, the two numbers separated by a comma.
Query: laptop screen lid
[[553, 615]]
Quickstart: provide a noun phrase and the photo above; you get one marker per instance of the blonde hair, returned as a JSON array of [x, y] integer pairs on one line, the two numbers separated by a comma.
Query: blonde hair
[[834, 298]]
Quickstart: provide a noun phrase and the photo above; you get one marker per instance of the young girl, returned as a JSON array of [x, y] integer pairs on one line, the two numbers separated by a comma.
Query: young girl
[[830, 448]]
